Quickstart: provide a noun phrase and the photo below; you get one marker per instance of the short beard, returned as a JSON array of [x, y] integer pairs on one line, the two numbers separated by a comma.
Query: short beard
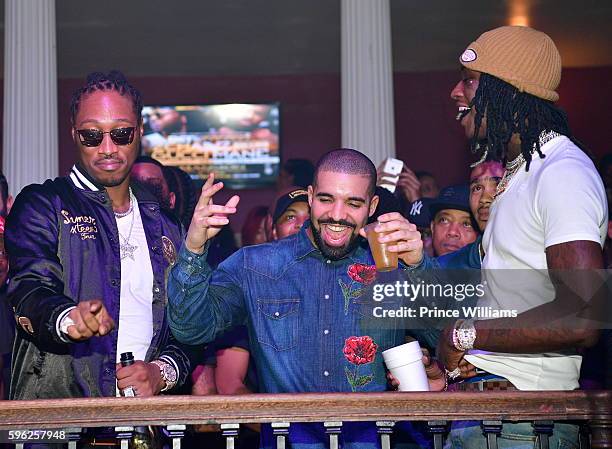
[[329, 252], [113, 182]]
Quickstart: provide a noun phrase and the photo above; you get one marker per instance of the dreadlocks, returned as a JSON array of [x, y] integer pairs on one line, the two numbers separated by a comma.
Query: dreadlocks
[[509, 111], [113, 80]]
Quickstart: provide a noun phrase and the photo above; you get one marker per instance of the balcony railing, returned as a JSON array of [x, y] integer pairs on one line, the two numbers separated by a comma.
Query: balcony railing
[[593, 409]]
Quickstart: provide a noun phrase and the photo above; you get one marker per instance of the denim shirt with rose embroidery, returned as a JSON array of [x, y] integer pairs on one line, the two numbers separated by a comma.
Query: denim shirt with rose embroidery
[[301, 311]]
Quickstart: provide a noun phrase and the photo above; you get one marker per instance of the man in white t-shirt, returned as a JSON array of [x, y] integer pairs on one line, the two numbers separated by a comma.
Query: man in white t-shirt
[[549, 213]]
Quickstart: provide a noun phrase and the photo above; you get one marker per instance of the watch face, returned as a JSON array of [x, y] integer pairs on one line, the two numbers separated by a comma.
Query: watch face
[[169, 373]]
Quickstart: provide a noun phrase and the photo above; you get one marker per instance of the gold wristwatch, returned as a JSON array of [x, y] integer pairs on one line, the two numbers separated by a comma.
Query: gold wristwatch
[[168, 374]]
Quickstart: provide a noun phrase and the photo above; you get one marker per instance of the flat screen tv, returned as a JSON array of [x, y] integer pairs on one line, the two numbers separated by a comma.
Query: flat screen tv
[[239, 142]]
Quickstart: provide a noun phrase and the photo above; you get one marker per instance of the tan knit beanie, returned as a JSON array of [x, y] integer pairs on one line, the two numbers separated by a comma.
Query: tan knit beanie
[[521, 56]]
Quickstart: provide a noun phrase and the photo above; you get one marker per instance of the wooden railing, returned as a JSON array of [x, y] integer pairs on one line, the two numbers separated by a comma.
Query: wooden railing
[[437, 409]]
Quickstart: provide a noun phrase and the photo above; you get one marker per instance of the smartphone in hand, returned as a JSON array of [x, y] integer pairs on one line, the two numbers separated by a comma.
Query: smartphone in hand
[[390, 175]]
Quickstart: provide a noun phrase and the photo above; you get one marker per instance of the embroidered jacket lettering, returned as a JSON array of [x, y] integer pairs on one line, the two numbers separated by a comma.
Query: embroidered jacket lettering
[[83, 225]]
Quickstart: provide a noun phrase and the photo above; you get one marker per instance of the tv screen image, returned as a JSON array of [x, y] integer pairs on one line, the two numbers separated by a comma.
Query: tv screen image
[[238, 141]]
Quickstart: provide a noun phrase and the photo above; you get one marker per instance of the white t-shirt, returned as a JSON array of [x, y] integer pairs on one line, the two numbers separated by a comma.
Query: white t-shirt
[[560, 199], [136, 305]]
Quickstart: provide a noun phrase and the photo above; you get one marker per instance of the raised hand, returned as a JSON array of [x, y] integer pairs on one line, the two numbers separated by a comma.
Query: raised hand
[[208, 218], [409, 185]]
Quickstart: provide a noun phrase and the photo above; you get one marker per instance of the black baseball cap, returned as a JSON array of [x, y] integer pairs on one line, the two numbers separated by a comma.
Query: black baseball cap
[[419, 213], [452, 197], [284, 201]]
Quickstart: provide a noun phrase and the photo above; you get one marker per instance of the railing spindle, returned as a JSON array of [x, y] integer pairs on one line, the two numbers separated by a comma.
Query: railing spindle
[[601, 433], [385, 429], [74, 435], [281, 431], [583, 436], [124, 435], [177, 433], [333, 429], [230, 432], [543, 430], [438, 429], [492, 429]]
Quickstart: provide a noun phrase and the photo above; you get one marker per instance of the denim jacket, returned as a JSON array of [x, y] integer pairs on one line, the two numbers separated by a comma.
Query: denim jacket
[[467, 257], [299, 307], [301, 311]]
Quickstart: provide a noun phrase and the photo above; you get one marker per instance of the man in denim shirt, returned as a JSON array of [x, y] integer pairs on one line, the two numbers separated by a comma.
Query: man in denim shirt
[[302, 298]]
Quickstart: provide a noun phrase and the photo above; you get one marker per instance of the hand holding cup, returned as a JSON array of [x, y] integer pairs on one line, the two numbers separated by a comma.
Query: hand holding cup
[[400, 236], [406, 364]]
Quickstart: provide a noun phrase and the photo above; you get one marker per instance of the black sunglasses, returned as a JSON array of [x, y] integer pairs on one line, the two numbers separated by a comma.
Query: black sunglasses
[[94, 137]]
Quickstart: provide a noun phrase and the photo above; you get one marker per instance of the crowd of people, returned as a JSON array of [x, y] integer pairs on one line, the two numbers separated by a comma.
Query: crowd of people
[[125, 255]]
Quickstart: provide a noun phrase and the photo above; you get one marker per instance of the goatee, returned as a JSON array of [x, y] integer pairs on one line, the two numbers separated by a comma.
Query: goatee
[[332, 252]]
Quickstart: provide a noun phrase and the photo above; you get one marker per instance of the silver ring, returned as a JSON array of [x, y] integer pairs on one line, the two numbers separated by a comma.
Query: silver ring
[[66, 323], [452, 375], [129, 392]]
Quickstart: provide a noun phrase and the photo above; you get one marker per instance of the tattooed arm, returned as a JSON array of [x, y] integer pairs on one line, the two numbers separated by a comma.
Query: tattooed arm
[[552, 326], [569, 263]]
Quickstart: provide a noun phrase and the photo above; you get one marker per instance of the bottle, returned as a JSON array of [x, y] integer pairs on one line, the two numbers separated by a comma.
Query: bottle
[[127, 359]]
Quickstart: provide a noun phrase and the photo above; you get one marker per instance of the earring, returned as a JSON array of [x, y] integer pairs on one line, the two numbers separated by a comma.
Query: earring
[[483, 158]]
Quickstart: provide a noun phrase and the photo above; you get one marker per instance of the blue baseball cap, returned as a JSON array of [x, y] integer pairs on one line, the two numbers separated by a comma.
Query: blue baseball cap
[[452, 197]]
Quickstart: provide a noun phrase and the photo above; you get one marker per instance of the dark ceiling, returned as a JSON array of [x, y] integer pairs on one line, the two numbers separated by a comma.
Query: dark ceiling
[[266, 37]]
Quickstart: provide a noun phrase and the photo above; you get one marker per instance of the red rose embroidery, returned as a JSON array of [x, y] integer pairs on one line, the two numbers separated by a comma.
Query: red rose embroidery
[[360, 274], [365, 274], [360, 350]]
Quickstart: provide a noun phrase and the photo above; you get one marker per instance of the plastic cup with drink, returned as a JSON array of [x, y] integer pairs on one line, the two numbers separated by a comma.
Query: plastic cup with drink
[[406, 364], [384, 259]]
